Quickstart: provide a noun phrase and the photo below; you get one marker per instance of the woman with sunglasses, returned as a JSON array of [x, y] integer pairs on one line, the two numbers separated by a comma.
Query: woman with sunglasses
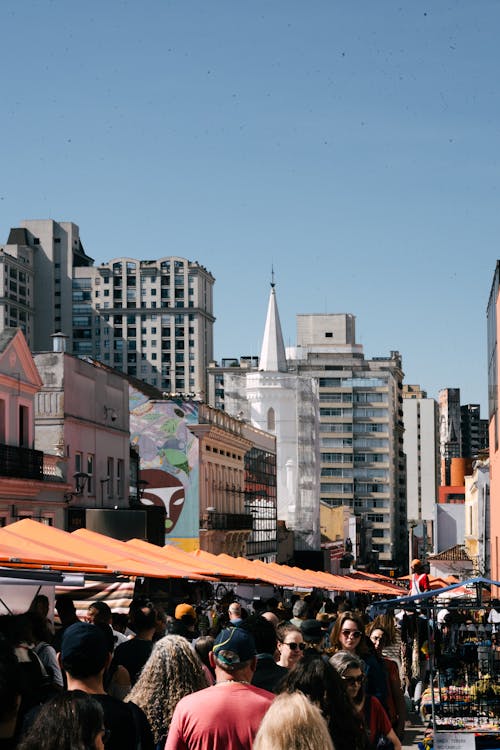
[[370, 712], [396, 707], [318, 680], [290, 645], [348, 635]]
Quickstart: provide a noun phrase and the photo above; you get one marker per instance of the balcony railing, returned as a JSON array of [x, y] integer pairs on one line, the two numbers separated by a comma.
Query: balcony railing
[[21, 463], [227, 522]]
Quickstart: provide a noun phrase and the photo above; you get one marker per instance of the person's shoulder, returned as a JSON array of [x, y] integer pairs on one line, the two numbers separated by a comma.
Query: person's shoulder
[[260, 692], [376, 704], [194, 698]]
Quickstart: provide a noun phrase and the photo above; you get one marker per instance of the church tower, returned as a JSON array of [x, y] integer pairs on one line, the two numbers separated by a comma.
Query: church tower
[[286, 404]]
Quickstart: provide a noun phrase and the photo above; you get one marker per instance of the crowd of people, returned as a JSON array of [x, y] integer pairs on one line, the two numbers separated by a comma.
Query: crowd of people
[[309, 674]]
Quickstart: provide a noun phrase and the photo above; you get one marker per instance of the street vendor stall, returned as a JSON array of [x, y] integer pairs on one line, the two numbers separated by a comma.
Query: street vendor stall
[[463, 691]]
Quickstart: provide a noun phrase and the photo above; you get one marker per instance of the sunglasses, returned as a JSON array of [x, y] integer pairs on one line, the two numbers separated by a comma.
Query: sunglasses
[[294, 646], [353, 633], [351, 681]]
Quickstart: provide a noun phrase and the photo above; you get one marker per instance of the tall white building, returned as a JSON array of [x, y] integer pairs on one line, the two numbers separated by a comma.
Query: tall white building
[[361, 428], [285, 404], [421, 446]]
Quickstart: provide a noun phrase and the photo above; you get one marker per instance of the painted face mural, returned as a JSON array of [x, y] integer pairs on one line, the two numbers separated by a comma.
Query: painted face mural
[[169, 462], [164, 490]]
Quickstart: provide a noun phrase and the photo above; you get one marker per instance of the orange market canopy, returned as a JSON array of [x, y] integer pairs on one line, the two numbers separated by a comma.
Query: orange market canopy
[[124, 559], [30, 544]]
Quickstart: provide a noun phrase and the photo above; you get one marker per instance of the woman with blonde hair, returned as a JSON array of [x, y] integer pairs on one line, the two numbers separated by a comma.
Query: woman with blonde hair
[[172, 671], [292, 722]]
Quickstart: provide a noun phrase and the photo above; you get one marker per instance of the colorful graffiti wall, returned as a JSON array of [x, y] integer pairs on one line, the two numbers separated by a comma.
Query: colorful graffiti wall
[[169, 463]]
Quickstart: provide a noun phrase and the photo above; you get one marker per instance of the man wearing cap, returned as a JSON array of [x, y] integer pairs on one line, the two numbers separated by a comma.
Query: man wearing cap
[[419, 580], [313, 635], [228, 714], [184, 622], [84, 657]]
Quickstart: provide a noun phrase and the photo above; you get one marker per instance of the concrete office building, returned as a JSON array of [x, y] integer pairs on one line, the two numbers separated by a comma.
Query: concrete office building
[[421, 446], [152, 319], [36, 284]]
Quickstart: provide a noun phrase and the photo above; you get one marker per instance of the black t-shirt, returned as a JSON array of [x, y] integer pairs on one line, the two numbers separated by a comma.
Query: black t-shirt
[[133, 655], [127, 724]]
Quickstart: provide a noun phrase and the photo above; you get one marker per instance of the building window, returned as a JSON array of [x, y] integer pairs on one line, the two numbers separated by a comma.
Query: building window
[[119, 477], [271, 420], [90, 472], [111, 474]]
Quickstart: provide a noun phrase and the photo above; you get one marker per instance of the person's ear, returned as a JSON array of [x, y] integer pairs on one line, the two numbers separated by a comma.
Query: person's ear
[[211, 659]]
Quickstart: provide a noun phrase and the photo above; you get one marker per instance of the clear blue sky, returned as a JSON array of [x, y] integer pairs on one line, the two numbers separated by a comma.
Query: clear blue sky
[[355, 145]]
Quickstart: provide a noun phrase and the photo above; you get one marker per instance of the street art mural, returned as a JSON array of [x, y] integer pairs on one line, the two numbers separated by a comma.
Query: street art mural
[[169, 463]]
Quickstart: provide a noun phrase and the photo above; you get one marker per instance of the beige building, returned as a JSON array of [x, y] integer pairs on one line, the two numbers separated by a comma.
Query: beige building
[[224, 524], [152, 319]]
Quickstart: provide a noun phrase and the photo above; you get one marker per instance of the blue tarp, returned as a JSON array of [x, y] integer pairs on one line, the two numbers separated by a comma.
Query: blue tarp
[[402, 601]]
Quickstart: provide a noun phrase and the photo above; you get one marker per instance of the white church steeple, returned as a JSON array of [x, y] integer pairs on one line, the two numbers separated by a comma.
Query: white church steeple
[[272, 355]]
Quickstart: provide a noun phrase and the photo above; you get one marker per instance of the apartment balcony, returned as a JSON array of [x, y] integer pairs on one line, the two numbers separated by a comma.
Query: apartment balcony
[[21, 463], [226, 522]]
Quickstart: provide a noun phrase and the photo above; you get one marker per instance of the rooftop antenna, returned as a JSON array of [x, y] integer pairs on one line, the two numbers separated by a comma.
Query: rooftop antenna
[[273, 284]]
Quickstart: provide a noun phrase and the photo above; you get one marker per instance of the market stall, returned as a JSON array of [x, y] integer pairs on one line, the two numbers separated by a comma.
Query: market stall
[[462, 699]]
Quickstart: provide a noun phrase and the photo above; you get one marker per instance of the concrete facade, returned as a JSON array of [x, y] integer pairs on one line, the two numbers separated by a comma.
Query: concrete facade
[[82, 417], [152, 319], [361, 428], [421, 446], [48, 251]]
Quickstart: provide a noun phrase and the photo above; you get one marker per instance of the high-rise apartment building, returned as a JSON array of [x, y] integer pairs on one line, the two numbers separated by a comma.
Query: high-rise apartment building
[[474, 431], [361, 427], [35, 289], [152, 319], [362, 463], [421, 447]]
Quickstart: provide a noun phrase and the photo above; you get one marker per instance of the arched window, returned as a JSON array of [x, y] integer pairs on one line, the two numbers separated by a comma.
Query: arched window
[[271, 420]]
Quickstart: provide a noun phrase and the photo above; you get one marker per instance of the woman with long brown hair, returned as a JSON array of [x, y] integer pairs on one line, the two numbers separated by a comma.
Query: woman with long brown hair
[[348, 634]]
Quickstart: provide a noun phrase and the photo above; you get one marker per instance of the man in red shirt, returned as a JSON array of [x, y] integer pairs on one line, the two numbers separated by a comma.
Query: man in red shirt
[[228, 714]]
